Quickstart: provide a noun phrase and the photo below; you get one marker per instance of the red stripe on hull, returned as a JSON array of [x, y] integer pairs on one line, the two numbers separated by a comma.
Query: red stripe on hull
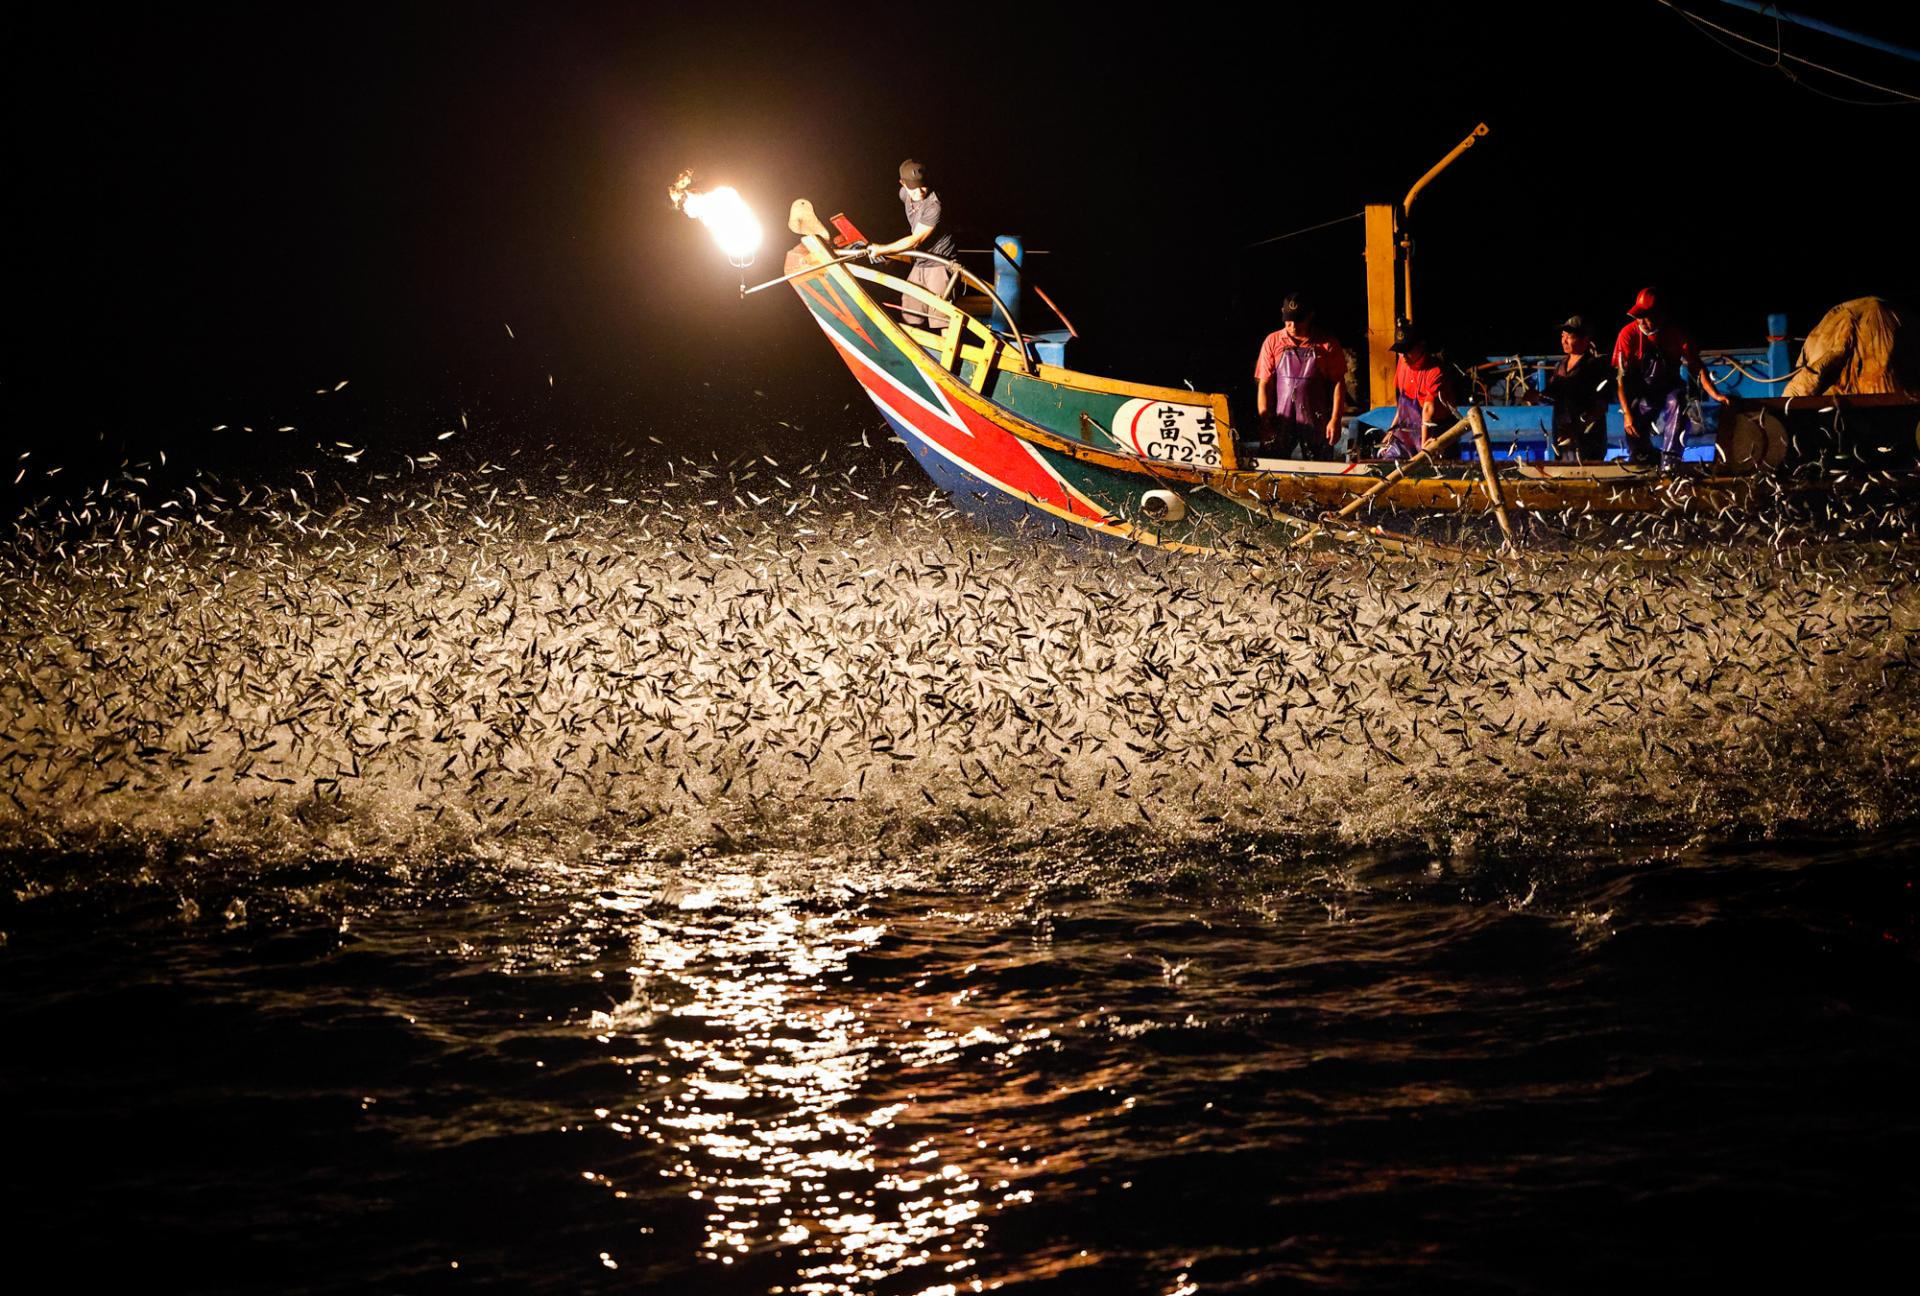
[[837, 310], [990, 451]]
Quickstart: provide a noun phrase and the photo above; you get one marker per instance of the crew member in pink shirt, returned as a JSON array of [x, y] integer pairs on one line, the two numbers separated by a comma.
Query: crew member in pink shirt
[[1299, 386]]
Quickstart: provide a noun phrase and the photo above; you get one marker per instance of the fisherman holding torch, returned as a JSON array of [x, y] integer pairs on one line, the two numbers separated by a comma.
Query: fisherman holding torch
[[926, 234]]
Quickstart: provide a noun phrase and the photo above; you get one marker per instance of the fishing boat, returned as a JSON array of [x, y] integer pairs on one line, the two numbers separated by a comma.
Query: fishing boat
[[1017, 441]]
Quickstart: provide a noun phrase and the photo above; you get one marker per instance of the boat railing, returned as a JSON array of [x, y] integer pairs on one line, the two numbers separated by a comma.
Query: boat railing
[[1513, 379], [945, 304]]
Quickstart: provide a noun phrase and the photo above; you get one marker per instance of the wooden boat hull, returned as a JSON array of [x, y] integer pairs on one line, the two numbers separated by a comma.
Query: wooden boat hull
[[1000, 468], [1019, 444]]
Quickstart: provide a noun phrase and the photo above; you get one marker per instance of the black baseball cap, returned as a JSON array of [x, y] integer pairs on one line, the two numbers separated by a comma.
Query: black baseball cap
[[1406, 337], [912, 174], [1575, 324], [1296, 307]]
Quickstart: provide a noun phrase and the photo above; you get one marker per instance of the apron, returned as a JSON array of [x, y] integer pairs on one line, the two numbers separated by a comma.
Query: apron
[[1302, 401], [1403, 435], [1660, 398]]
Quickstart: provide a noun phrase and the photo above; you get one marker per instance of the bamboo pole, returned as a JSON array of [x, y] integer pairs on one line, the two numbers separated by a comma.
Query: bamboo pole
[[1496, 494], [815, 268], [1358, 502]]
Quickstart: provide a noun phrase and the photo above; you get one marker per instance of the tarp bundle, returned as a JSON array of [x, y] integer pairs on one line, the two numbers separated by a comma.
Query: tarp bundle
[[1850, 352]]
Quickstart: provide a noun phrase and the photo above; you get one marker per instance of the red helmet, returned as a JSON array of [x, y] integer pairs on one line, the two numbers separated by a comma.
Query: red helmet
[[1644, 304]]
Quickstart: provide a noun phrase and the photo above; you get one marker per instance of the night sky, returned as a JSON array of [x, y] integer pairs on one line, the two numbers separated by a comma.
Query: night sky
[[219, 211]]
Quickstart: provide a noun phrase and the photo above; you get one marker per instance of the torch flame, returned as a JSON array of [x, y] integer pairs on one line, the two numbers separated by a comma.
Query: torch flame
[[724, 213]]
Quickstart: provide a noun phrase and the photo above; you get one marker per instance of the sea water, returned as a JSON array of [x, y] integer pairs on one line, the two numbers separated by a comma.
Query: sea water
[[751, 878]]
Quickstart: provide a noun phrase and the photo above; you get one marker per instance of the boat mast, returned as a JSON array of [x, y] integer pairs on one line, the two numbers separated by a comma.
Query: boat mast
[[1390, 272]]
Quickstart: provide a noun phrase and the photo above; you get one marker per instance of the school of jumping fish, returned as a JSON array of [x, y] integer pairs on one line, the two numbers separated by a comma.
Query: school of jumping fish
[[411, 655]]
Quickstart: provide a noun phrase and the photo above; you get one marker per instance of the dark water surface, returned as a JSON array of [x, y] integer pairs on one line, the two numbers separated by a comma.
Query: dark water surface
[[749, 878], [764, 1073]]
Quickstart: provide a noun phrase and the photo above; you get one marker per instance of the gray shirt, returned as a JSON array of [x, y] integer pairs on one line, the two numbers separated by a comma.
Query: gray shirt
[[927, 212]]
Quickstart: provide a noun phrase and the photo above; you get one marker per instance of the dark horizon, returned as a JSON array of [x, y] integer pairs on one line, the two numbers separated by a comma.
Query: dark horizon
[[227, 213]]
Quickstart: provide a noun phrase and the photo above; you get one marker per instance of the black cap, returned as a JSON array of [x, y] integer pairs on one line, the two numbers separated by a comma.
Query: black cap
[[1406, 337], [1296, 307], [913, 175], [1577, 325]]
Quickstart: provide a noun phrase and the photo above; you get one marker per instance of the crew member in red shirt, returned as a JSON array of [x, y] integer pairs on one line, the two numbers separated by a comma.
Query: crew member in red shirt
[[1422, 403], [1647, 360]]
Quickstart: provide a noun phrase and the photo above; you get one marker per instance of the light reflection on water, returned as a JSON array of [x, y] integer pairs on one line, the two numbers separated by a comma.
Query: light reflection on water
[[887, 1088], [763, 1107]]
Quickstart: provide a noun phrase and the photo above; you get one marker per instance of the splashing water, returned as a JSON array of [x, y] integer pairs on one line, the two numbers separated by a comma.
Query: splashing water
[[749, 877], [748, 654]]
